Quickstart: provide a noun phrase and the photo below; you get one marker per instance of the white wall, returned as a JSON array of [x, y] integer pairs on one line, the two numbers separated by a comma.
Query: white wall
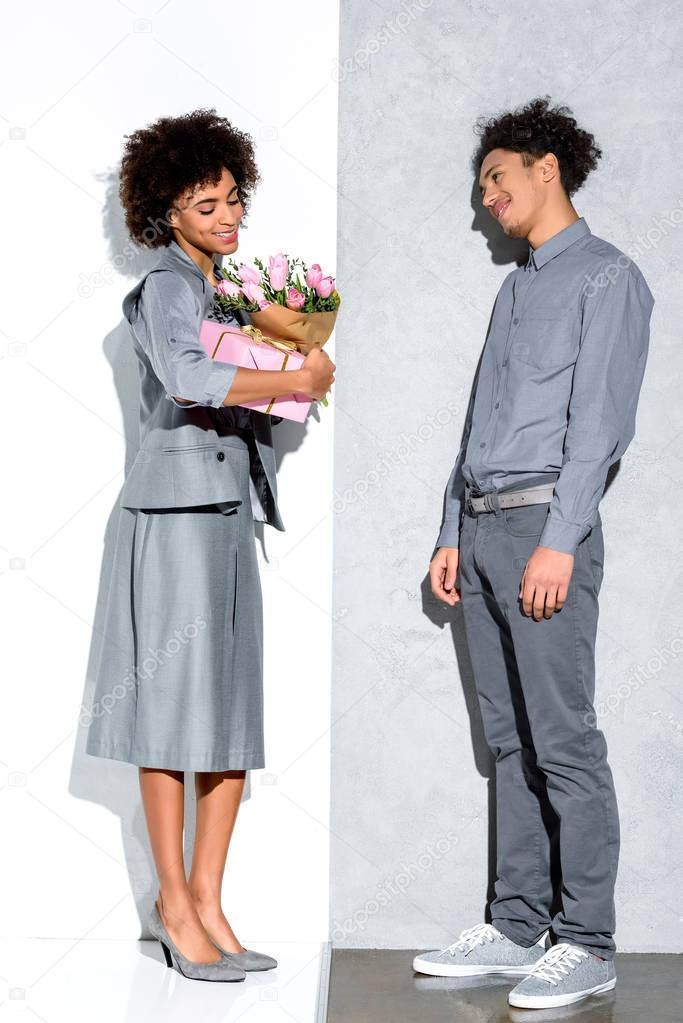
[[77, 78]]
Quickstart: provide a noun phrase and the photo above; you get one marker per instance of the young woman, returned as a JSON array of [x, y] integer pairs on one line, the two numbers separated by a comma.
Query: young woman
[[179, 683]]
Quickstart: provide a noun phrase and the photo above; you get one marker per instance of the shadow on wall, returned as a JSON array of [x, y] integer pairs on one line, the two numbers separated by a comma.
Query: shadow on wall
[[110, 783]]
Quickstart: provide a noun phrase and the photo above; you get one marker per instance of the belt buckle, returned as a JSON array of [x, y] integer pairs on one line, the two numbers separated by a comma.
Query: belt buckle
[[491, 501]]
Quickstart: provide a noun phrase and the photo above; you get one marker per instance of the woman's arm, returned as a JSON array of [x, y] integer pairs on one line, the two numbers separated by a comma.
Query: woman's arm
[[188, 374], [254, 384]]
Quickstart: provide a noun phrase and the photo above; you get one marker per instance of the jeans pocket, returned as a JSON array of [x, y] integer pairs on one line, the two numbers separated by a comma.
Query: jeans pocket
[[526, 520]]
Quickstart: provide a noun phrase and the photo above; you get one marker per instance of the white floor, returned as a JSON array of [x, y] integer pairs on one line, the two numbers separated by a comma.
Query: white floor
[[66, 981]]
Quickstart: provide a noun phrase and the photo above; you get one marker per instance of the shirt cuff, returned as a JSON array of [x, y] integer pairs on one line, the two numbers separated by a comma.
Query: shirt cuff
[[182, 404], [219, 383], [450, 533], [217, 387], [561, 536]]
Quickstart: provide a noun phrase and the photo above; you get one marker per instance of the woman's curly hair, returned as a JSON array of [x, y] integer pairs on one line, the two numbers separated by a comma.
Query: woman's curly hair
[[536, 129], [175, 155]]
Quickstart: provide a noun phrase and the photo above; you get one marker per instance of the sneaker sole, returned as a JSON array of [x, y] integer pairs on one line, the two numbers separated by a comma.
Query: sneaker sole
[[522, 1001], [443, 970]]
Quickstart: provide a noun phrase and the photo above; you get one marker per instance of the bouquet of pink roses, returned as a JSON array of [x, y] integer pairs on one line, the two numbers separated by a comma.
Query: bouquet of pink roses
[[286, 300]]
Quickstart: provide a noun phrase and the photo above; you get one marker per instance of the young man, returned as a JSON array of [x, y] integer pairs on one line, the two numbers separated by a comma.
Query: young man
[[553, 407]]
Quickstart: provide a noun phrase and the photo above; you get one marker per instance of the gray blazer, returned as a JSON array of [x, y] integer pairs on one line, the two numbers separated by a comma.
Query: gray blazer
[[180, 462]]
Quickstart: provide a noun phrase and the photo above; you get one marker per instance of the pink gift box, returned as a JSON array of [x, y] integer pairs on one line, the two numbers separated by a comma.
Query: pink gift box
[[230, 344]]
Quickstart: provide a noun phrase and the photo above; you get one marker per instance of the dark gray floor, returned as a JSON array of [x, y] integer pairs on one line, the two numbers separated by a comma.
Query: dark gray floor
[[379, 986]]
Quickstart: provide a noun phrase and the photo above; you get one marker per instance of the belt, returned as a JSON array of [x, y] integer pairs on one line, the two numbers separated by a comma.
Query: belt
[[476, 502]]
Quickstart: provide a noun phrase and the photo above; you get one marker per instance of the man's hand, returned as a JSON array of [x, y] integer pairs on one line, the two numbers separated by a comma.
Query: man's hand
[[442, 569], [544, 584]]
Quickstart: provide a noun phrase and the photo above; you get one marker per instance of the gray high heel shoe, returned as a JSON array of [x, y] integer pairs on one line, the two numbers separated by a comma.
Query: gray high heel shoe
[[221, 970], [248, 960]]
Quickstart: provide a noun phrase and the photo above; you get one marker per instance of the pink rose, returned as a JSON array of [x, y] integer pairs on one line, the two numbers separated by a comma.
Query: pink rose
[[247, 273], [278, 268], [313, 275], [295, 299], [229, 289], [325, 287]]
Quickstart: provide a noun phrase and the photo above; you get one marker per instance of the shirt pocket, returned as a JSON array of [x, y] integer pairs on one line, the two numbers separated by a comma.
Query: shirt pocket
[[548, 337]]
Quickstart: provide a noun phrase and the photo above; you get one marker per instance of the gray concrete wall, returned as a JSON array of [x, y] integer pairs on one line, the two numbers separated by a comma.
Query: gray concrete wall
[[419, 267]]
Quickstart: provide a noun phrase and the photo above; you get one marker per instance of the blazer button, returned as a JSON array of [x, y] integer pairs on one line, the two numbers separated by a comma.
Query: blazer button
[[220, 456]]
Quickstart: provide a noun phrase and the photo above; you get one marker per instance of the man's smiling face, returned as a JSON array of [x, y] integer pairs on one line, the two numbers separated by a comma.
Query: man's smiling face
[[509, 191]]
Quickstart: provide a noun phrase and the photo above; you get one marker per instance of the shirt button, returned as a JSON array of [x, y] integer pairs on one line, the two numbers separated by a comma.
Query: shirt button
[[516, 319], [482, 445], [497, 404], [505, 362], [220, 456]]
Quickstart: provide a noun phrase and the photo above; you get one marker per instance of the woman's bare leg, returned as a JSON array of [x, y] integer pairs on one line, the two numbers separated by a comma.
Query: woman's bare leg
[[163, 801], [218, 800]]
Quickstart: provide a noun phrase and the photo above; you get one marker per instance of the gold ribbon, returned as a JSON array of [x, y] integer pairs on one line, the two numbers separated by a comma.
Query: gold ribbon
[[255, 334]]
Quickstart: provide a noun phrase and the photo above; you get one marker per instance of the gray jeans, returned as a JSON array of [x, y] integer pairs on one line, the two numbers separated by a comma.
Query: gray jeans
[[535, 682]]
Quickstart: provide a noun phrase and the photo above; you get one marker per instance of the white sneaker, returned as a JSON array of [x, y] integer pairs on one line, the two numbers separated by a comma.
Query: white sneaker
[[477, 951], [565, 974]]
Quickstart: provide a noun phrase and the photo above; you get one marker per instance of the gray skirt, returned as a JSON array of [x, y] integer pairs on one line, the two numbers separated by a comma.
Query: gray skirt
[[179, 683]]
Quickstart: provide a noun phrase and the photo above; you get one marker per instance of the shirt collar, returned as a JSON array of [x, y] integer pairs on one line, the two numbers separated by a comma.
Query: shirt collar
[[174, 253], [558, 243]]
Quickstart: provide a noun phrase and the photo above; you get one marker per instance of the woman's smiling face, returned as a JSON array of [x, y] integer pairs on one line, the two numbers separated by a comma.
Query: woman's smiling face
[[208, 218]]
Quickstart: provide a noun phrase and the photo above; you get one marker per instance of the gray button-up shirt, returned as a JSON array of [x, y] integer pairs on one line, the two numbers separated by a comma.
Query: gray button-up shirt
[[558, 383]]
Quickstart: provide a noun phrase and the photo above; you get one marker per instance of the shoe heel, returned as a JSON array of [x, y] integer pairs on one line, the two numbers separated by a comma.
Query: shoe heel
[[216, 970], [167, 953]]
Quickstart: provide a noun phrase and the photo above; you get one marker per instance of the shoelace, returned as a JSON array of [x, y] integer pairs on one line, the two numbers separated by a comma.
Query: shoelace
[[557, 962], [473, 936]]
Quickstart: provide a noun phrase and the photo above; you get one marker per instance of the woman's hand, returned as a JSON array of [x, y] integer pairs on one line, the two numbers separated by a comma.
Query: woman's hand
[[318, 372], [305, 347]]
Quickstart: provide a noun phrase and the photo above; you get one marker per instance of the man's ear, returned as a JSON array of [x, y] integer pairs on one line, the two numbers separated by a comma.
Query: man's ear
[[550, 167]]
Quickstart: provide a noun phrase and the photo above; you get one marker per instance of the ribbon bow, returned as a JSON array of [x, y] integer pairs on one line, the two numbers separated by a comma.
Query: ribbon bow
[[255, 334]]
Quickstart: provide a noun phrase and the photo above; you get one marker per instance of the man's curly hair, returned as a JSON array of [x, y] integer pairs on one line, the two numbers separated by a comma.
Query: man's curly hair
[[536, 129], [175, 155]]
